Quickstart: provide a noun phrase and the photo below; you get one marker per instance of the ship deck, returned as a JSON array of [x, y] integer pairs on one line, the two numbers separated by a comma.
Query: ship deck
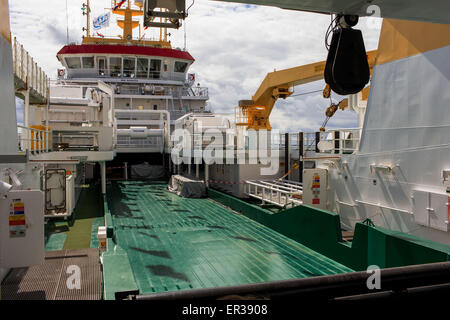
[[67, 243], [159, 242], [173, 243]]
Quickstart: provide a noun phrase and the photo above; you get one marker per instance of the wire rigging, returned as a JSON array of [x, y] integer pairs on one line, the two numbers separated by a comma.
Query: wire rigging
[[331, 28], [187, 13], [67, 22], [306, 93]]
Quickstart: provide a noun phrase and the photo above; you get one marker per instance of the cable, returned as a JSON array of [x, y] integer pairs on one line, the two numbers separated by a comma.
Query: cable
[[185, 45], [331, 114], [187, 11], [305, 93], [67, 22], [331, 28]]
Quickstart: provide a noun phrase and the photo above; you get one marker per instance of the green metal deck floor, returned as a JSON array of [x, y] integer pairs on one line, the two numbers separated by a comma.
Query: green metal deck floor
[[175, 243], [80, 231]]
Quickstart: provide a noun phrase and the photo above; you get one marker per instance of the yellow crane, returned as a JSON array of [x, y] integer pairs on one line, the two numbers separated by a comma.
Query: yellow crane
[[255, 113]]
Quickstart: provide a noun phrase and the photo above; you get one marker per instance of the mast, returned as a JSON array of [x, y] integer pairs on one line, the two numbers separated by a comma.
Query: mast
[[125, 13], [87, 12]]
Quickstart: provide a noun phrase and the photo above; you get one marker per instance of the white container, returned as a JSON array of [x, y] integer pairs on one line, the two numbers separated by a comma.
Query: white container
[[102, 238]]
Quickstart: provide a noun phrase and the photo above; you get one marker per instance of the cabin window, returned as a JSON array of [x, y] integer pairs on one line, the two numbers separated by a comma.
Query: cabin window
[[88, 62], [102, 67], [129, 67], [155, 69], [180, 66], [115, 65], [73, 63], [142, 68]]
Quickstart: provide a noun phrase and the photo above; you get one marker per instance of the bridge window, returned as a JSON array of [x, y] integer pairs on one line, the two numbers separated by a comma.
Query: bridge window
[[129, 67], [115, 65], [180, 66], [142, 67], [102, 66], [155, 69], [88, 62], [73, 63]]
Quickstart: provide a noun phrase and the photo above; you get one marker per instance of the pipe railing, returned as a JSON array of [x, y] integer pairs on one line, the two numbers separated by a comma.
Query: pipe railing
[[149, 142], [27, 70], [272, 193], [160, 90], [400, 280], [340, 141], [33, 140], [125, 73]]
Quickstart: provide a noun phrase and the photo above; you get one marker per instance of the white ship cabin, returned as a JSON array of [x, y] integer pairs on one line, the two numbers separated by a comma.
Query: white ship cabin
[[150, 88], [116, 63]]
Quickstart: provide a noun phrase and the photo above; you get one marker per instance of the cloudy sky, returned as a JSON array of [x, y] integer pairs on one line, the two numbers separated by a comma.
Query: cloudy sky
[[235, 46]]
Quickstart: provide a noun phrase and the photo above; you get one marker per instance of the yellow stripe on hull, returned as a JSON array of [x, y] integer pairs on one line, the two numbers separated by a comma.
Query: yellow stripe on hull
[[5, 31], [401, 39]]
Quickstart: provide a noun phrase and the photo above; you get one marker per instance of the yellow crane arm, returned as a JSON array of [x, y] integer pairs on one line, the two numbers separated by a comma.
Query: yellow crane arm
[[277, 85]]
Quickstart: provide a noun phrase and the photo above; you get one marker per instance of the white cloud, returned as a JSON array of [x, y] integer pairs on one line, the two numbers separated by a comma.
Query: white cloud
[[19, 111], [234, 45]]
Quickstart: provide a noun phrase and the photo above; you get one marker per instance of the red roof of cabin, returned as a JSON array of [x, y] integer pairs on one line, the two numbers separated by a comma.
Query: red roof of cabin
[[120, 49]]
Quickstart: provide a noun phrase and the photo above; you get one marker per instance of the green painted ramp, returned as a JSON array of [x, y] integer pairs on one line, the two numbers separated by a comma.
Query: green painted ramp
[[174, 243]]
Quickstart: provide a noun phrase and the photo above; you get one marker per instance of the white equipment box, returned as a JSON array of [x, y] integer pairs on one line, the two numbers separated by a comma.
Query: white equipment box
[[432, 209], [315, 187], [22, 229]]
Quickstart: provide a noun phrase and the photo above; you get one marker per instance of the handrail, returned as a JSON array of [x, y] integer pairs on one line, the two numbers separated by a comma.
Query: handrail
[[125, 73], [398, 282], [343, 140], [34, 140], [27, 70], [271, 193]]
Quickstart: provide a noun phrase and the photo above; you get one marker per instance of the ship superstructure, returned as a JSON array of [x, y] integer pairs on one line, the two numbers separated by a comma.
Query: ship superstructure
[[150, 83], [84, 179], [115, 98]]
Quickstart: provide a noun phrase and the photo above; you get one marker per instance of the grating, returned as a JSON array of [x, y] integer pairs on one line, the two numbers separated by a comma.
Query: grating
[[48, 281]]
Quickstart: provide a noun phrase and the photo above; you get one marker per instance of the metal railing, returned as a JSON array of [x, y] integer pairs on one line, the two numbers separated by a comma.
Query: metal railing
[[344, 141], [105, 39], [200, 92], [27, 70], [341, 141], [155, 143], [133, 74], [34, 140], [158, 90], [125, 74], [281, 193]]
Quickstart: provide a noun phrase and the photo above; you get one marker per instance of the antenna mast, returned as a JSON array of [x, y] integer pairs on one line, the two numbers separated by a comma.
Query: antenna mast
[[87, 12]]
